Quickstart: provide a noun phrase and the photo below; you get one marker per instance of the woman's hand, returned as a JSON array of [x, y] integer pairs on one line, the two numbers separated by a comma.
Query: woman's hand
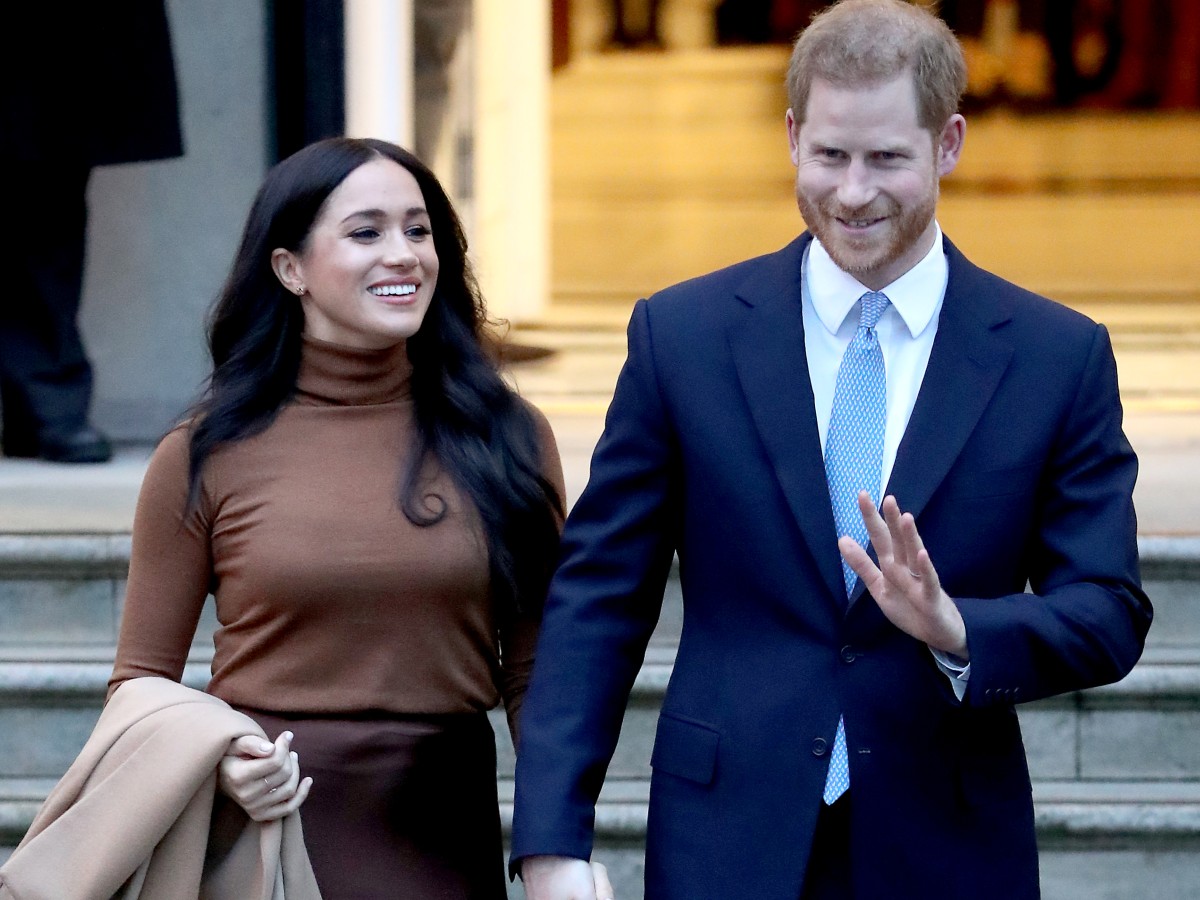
[[263, 778], [564, 878]]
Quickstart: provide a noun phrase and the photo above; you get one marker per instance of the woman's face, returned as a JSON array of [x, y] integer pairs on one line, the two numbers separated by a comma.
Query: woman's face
[[368, 269]]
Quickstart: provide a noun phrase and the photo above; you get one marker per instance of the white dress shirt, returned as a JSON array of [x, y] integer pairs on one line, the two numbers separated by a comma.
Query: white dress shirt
[[906, 331]]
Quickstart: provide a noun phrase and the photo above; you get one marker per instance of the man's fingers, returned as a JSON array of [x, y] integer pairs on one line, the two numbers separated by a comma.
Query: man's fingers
[[559, 878], [901, 550], [908, 538], [890, 509], [604, 888], [877, 528], [858, 560], [919, 563]]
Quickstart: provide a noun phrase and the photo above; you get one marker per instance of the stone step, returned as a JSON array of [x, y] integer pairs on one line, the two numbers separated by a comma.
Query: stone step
[[60, 600], [68, 589], [1110, 841], [1079, 745], [1109, 812], [48, 708]]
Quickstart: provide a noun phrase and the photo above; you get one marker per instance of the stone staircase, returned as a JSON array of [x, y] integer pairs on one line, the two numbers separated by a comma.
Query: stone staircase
[[1116, 769]]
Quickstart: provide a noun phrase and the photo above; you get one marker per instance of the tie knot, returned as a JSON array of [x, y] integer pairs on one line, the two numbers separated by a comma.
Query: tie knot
[[873, 305]]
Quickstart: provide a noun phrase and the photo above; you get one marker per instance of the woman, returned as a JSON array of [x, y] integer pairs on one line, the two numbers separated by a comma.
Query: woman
[[377, 515]]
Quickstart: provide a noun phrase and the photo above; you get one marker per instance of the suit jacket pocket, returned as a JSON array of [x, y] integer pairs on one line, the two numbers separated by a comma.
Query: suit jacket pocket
[[685, 748]]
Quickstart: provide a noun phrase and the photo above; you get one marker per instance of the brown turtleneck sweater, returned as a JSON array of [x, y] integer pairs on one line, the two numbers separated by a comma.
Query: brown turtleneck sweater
[[329, 599]]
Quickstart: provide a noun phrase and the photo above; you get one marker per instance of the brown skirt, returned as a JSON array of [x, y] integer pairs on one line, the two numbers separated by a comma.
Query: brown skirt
[[399, 806]]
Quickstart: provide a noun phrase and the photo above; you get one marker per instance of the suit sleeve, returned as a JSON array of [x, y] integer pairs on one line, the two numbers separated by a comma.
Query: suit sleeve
[[603, 605], [1085, 619]]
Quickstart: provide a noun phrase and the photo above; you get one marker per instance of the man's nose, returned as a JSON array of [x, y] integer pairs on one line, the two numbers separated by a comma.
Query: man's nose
[[856, 187]]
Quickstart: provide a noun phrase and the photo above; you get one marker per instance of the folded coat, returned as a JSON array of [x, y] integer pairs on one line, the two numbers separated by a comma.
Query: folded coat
[[137, 815]]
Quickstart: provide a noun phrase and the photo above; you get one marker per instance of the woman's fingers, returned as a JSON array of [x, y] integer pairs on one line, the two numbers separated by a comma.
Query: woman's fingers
[[250, 746], [279, 802], [263, 786], [284, 807]]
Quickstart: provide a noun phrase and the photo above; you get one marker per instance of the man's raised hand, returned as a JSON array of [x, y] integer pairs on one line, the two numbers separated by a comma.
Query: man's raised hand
[[905, 583]]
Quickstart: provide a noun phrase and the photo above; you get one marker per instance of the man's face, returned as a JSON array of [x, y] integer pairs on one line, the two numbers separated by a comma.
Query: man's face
[[867, 175]]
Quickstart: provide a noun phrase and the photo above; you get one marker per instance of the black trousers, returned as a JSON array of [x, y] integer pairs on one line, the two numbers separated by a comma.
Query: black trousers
[[829, 876], [45, 376]]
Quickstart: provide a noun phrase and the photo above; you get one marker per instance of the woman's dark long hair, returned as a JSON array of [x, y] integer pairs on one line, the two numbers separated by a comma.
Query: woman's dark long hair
[[466, 416]]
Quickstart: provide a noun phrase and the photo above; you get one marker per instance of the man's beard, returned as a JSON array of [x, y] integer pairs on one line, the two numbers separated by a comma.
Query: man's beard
[[905, 228]]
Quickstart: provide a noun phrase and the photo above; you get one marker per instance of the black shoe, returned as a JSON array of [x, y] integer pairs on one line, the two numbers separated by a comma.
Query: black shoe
[[82, 445]]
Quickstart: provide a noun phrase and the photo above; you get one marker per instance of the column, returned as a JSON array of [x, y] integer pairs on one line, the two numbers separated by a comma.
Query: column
[[510, 235], [379, 65]]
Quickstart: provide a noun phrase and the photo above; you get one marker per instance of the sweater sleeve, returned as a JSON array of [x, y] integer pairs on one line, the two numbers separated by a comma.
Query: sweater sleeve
[[518, 636], [170, 569]]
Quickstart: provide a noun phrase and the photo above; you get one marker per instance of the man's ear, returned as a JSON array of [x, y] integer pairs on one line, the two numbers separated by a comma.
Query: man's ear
[[949, 144], [288, 270], [793, 130]]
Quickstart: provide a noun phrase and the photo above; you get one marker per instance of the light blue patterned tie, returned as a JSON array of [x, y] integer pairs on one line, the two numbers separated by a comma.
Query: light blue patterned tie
[[854, 462]]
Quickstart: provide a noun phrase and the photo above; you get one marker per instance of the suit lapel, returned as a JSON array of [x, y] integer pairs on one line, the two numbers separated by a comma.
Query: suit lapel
[[969, 357], [767, 344]]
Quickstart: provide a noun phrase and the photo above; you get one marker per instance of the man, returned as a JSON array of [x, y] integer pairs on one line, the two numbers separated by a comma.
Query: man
[[840, 724]]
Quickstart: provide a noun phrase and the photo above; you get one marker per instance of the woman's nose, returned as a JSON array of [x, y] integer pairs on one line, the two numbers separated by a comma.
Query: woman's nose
[[399, 252]]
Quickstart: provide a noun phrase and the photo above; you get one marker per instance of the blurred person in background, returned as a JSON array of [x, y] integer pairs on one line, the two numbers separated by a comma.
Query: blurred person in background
[[84, 86]]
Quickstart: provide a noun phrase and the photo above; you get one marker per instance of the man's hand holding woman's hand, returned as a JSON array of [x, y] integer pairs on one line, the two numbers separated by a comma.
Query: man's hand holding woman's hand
[[564, 878], [263, 778]]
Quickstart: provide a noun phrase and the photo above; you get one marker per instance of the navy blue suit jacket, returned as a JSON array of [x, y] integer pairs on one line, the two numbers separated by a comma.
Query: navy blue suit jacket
[[1016, 468]]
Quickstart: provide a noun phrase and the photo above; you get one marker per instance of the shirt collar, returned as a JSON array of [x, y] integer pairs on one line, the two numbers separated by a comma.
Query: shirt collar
[[916, 295]]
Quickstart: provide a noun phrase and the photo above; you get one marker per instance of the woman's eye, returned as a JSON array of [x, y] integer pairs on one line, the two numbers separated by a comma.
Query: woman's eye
[[418, 231], [364, 234]]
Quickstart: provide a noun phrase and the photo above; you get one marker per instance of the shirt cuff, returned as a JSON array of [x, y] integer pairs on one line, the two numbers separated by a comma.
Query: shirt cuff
[[959, 673]]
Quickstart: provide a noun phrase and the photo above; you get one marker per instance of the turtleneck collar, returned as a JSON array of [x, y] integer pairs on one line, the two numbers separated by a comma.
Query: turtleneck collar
[[347, 376]]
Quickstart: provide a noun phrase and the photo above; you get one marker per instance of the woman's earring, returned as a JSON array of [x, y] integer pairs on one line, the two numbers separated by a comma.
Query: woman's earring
[[300, 291]]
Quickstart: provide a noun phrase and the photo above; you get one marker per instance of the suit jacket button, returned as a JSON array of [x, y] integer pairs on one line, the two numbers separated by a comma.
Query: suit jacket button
[[848, 654], [819, 746]]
